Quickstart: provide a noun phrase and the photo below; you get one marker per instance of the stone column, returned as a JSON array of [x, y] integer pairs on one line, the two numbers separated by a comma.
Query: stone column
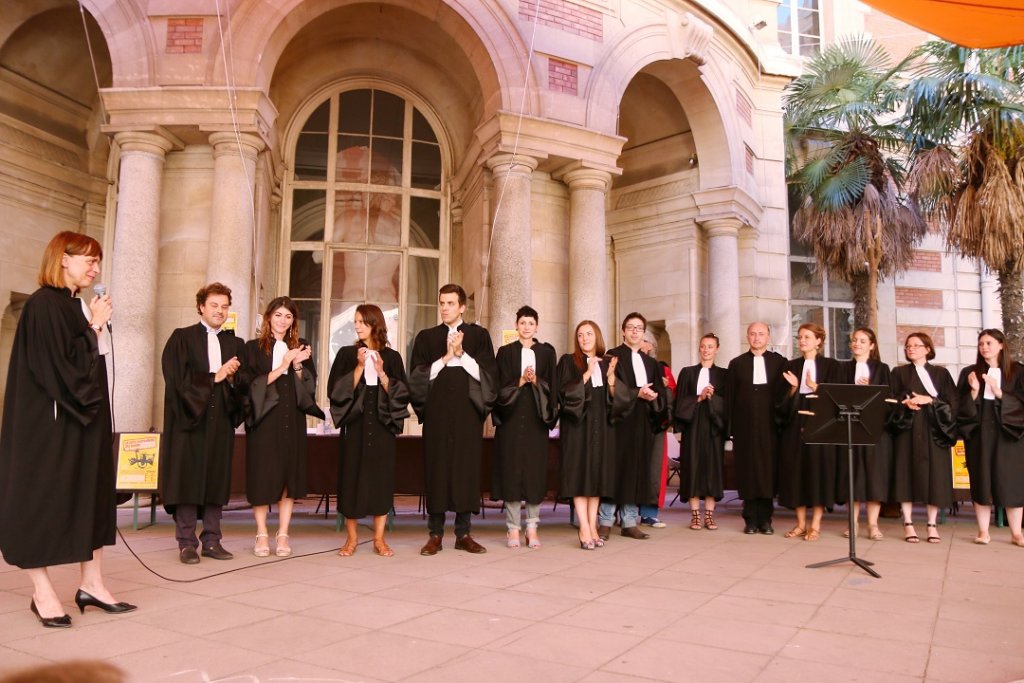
[[510, 262], [133, 277], [724, 284], [588, 254], [232, 224]]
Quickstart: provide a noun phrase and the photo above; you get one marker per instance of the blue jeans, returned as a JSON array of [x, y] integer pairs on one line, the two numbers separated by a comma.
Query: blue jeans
[[606, 514], [650, 511]]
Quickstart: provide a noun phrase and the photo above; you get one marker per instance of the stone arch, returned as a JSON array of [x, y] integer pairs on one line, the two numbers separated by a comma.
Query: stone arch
[[679, 52], [487, 37]]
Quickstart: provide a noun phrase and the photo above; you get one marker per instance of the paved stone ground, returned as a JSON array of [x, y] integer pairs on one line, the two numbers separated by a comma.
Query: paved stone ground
[[681, 606]]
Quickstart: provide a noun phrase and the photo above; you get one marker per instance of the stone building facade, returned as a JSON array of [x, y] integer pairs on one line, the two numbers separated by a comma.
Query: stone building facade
[[589, 157]]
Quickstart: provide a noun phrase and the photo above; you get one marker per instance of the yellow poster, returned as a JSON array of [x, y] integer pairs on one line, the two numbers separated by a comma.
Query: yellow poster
[[961, 479], [232, 322], [138, 462], [508, 336]]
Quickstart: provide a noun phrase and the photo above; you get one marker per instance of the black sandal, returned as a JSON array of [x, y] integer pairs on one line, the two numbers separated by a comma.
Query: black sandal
[[935, 538], [912, 538]]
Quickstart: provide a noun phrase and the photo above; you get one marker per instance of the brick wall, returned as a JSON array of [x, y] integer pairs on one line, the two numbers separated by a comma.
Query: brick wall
[[938, 335], [184, 35], [927, 261], [562, 76], [916, 297], [566, 16]]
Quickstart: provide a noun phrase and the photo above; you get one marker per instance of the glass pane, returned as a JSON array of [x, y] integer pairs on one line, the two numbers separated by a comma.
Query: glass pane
[[420, 318], [307, 275], [385, 218], [422, 282], [348, 276], [388, 114], [343, 329], [426, 166], [421, 129], [839, 290], [798, 248], [840, 327], [382, 278], [354, 112], [386, 162], [784, 15], [353, 159], [801, 315], [806, 4], [425, 222], [809, 46], [350, 211], [311, 157], [805, 283], [309, 321], [786, 41], [319, 121], [309, 212]]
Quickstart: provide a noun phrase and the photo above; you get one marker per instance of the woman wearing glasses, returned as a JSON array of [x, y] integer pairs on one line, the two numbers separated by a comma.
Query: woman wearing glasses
[[925, 426], [991, 419]]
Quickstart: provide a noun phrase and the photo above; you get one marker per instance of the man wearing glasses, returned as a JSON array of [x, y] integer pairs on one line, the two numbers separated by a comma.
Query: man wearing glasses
[[640, 377]]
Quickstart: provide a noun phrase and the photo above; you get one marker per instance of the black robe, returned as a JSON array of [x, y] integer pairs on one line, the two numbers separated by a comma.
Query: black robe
[[452, 408], [57, 501], [369, 419], [922, 461], [992, 431], [522, 417], [586, 431], [807, 472], [872, 465], [200, 417], [635, 459], [753, 424], [704, 426], [275, 424]]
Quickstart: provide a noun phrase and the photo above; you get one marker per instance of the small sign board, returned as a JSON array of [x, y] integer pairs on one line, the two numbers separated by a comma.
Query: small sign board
[[138, 461], [961, 479]]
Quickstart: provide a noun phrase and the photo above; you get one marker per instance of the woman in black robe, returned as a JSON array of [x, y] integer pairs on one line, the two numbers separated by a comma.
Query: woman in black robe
[[807, 472], [278, 380], [701, 417], [872, 465], [523, 414], [57, 500], [925, 429], [991, 420], [369, 403], [586, 392]]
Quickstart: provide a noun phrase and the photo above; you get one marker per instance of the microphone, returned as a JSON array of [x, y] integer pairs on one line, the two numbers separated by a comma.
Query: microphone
[[100, 290]]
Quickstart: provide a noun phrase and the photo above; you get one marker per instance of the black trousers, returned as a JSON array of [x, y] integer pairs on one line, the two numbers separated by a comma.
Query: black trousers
[[185, 520], [463, 522], [758, 512]]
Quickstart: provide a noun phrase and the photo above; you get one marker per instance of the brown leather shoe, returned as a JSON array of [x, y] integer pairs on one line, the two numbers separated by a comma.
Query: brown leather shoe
[[433, 546], [469, 545], [633, 532], [603, 532]]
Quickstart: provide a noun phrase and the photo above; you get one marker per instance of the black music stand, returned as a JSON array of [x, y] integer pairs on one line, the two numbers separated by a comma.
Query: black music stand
[[851, 414]]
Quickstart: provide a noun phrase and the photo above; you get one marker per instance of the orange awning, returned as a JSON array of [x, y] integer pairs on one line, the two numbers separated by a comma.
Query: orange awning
[[971, 23]]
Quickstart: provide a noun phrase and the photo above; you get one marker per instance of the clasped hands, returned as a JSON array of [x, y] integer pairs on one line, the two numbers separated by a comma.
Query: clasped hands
[[227, 370], [916, 400], [455, 349], [378, 363], [529, 376]]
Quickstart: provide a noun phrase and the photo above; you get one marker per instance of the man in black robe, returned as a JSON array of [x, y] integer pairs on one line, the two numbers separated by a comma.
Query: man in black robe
[[638, 464], [452, 384], [201, 411], [754, 431]]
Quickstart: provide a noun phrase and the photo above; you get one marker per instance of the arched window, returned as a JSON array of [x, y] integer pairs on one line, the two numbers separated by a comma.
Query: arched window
[[365, 219]]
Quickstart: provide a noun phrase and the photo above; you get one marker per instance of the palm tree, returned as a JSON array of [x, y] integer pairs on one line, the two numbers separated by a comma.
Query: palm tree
[[965, 111], [843, 139]]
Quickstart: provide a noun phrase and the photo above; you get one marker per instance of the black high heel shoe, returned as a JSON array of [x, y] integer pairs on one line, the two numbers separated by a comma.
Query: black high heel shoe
[[83, 600], [63, 621]]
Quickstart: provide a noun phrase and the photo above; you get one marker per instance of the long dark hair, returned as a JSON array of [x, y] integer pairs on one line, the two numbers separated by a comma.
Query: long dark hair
[[1004, 361], [266, 335], [870, 333], [374, 317], [599, 349]]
